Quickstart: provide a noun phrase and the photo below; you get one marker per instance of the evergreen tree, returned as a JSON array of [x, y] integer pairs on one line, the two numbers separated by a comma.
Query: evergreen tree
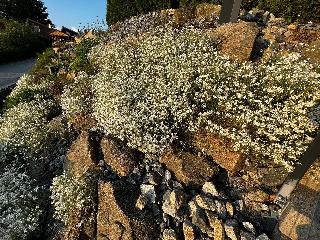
[[21, 10]]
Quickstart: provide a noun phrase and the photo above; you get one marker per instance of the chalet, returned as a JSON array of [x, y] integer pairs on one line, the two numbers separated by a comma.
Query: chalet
[[70, 32], [49, 33]]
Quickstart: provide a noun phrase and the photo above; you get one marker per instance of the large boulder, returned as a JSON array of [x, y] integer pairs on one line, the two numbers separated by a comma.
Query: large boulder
[[219, 149], [81, 156], [118, 218], [237, 39], [189, 169], [119, 157]]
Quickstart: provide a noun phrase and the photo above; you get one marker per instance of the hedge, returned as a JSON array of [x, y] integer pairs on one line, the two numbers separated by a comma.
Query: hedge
[[291, 10], [118, 10]]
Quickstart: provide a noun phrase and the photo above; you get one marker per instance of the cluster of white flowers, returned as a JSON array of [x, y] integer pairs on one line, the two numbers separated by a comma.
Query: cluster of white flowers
[[27, 82], [19, 209], [73, 198], [273, 108], [147, 23], [143, 90], [25, 125], [151, 87], [136, 25], [76, 97]]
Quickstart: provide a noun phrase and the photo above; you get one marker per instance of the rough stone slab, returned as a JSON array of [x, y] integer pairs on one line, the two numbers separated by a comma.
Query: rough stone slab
[[117, 216], [272, 176], [219, 150], [118, 157], [237, 39], [80, 158], [189, 169]]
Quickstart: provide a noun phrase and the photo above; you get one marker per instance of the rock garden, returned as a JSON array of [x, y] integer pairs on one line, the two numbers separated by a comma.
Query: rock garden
[[167, 126]]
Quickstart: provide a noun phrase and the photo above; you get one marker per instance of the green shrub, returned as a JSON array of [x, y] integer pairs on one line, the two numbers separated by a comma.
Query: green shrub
[[27, 90], [25, 129], [292, 10], [44, 60], [18, 41], [152, 88], [26, 95], [81, 63], [76, 97], [302, 10]]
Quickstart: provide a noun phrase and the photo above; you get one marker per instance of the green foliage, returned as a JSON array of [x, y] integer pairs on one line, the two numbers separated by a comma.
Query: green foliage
[[81, 62], [22, 10], [303, 10], [18, 41], [292, 10], [26, 95], [186, 3], [76, 97], [45, 59], [119, 10]]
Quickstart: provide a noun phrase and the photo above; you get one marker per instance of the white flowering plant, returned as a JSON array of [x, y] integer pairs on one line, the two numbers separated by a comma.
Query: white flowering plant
[[74, 201], [19, 207], [165, 19], [151, 87], [25, 133], [26, 90], [76, 97]]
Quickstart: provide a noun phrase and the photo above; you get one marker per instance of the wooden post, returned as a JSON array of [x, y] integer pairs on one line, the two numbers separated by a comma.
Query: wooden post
[[230, 11]]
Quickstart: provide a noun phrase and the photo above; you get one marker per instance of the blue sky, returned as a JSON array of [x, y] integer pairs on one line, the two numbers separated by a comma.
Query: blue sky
[[70, 13]]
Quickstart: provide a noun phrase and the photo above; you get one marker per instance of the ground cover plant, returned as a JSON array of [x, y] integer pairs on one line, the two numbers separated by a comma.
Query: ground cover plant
[[19, 207], [151, 87], [73, 199]]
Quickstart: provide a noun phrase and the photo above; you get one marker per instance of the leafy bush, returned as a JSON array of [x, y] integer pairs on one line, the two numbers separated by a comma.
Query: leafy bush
[[44, 60], [81, 63], [302, 10], [74, 201], [18, 41], [19, 209], [151, 88]]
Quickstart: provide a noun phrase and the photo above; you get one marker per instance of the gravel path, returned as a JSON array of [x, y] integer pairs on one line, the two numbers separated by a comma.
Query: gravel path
[[11, 72]]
